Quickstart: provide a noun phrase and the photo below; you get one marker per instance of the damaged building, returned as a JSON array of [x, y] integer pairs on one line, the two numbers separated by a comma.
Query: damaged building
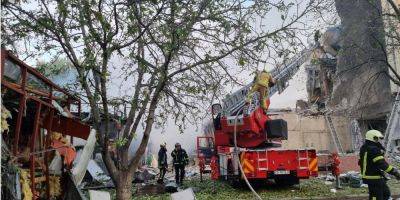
[[39, 125], [347, 75]]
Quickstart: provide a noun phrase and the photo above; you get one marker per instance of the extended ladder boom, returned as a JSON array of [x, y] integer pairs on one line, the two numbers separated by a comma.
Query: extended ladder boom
[[392, 133], [236, 101]]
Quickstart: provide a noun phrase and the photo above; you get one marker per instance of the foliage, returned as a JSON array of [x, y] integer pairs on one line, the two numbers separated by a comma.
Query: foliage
[[54, 68]]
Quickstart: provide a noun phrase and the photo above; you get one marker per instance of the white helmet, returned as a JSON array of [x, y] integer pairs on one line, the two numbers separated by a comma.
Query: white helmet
[[373, 135]]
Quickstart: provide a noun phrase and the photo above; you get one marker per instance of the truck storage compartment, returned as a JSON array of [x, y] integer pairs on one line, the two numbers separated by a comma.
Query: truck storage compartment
[[276, 128]]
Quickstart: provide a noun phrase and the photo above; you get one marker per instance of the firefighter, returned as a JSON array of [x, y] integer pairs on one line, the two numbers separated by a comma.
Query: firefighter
[[335, 168], [373, 166], [180, 160], [261, 84], [162, 162]]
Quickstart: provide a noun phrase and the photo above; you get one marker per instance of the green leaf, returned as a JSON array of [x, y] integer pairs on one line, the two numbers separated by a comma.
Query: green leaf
[[242, 61]]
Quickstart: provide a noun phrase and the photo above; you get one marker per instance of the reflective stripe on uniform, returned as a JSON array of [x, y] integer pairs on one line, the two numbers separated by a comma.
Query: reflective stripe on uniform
[[364, 164], [365, 169], [389, 169], [372, 177], [377, 158]]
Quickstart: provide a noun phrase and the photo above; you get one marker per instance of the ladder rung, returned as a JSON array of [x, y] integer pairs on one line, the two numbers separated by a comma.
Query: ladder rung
[[262, 159], [303, 158], [262, 169]]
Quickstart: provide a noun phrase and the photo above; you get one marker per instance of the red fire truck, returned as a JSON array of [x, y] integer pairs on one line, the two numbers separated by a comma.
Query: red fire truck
[[249, 139]]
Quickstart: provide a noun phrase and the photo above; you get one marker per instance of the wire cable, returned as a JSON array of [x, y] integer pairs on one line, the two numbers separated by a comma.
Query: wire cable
[[240, 164]]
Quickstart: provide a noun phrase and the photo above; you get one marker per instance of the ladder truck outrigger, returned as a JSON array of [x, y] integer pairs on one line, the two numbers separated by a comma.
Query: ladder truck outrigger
[[246, 143]]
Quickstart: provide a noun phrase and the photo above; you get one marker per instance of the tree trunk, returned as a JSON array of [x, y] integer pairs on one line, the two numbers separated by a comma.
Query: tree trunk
[[124, 186]]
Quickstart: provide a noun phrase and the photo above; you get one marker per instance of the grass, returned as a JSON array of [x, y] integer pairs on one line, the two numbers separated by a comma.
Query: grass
[[308, 189]]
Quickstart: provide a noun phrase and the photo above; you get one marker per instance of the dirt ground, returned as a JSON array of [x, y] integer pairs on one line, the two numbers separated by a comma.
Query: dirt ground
[[307, 189]]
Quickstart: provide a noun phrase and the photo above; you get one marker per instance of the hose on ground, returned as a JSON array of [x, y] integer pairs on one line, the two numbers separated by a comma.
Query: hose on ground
[[240, 164]]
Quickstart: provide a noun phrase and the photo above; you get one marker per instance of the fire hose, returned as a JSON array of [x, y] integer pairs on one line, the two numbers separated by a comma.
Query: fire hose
[[240, 164]]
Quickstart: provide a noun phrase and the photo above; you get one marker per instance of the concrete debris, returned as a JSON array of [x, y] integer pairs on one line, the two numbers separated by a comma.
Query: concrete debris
[[99, 160], [96, 172], [190, 174], [301, 105], [351, 178], [186, 194], [171, 187], [329, 177], [333, 190], [144, 175], [96, 177], [60, 109], [150, 189], [99, 195], [56, 164], [11, 176], [82, 162], [328, 183]]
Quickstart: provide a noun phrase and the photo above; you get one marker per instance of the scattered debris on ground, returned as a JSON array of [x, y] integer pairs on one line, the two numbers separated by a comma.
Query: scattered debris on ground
[[307, 189]]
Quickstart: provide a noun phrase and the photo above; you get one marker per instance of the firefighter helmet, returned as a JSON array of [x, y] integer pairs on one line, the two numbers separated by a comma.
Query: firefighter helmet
[[373, 135], [163, 144]]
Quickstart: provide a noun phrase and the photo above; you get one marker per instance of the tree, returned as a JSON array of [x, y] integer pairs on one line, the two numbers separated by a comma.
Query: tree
[[391, 48], [176, 52]]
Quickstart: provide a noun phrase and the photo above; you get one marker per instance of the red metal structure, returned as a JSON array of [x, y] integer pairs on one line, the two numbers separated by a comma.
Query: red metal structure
[[205, 151], [30, 96]]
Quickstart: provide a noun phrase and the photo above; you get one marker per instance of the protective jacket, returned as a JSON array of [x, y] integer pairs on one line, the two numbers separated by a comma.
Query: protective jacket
[[373, 163], [263, 78], [162, 158], [180, 157], [261, 84]]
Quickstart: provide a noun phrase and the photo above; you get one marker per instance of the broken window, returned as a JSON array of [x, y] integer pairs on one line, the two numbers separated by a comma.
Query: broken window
[[12, 72]]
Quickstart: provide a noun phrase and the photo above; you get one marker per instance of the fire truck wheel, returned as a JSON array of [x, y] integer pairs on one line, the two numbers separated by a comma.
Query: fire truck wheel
[[286, 180]]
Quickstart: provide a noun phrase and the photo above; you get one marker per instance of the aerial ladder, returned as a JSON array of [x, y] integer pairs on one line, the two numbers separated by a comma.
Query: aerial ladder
[[392, 133], [236, 101]]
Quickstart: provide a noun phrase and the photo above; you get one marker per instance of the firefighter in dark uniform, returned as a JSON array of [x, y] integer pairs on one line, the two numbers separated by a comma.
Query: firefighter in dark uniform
[[373, 166], [162, 162], [180, 160]]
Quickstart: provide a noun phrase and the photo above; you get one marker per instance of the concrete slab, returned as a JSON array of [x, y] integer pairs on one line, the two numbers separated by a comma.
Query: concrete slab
[[186, 194], [99, 195]]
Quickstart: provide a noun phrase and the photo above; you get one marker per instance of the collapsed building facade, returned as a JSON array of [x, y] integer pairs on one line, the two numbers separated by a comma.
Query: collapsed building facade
[[37, 134], [348, 75]]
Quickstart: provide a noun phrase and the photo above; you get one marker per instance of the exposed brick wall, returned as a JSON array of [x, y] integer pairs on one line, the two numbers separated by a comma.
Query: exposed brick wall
[[347, 162]]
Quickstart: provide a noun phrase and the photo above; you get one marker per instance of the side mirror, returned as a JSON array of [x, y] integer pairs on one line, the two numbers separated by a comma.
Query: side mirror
[[216, 109]]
